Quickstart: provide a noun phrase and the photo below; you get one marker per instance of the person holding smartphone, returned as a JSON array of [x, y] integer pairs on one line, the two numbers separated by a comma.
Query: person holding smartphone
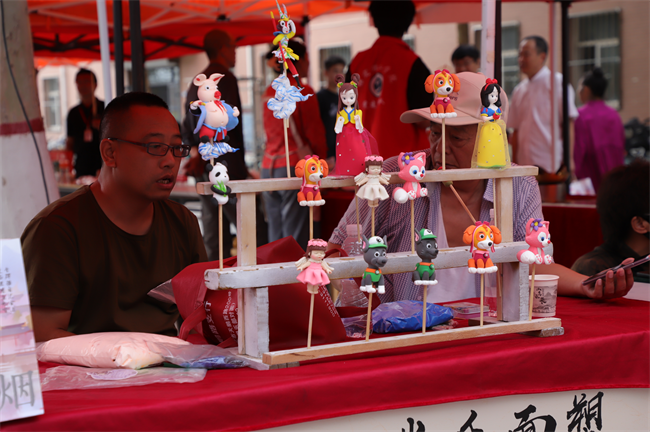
[[624, 209]]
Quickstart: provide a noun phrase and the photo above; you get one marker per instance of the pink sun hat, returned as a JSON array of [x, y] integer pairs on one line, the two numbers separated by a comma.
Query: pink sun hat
[[466, 103]]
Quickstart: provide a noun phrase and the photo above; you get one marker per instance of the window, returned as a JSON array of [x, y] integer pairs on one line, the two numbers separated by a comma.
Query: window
[[509, 54], [52, 104], [595, 42], [410, 41], [342, 51], [163, 81]]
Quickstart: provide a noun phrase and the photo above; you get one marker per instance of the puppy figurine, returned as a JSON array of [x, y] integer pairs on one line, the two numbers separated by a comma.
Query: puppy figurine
[[537, 237], [442, 83], [218, 175], [481, 237], [426, 247], [312, 170], [374, 254]]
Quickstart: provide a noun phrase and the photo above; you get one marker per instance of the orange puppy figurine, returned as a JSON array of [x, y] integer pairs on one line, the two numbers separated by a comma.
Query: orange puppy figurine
[[312, 170], [442, 83], [481, 237]]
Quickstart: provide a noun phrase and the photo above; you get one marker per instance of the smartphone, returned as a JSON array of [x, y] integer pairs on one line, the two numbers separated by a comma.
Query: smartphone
[[602, 274]]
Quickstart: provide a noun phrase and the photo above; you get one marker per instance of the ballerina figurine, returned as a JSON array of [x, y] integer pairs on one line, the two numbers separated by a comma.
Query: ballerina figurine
[[353, 141], [491, 149], [313, 269], [372, 181]]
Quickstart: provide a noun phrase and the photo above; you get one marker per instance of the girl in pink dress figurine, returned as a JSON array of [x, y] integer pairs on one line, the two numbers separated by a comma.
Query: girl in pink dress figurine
[[353, 141], [313, 270]]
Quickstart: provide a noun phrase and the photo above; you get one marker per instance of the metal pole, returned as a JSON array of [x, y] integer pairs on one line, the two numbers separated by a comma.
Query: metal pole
[[497, 43], [137, 57], [105, 49], [118, 43], [565, 85]]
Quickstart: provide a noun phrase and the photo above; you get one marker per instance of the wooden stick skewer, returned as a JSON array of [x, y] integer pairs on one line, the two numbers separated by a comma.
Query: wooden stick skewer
[[286, 146], [469, 213], [311, 223], [369, 319], [372, 218], [424, 309], [220, 238], [311, 320], [412, 229], [532, 289], [356, 203], [443, 144], [482, 292]]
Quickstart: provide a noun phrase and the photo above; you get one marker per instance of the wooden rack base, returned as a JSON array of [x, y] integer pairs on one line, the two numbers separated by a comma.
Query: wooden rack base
[[345, 348]]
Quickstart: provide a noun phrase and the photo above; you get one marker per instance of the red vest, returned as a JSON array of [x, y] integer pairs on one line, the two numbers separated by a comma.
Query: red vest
[[384, 70]]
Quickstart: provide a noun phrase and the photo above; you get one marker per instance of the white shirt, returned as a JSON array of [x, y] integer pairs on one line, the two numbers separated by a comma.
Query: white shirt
[[530, 115]]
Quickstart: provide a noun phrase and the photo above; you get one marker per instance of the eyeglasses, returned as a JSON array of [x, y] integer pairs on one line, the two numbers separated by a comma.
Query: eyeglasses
[[159, 149]]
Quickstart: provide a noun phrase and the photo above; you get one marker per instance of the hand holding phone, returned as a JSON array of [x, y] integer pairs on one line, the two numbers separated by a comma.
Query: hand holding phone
[[603, 274]]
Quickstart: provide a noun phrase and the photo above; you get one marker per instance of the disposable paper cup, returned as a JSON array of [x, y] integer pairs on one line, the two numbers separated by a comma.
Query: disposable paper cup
[[544, 295]]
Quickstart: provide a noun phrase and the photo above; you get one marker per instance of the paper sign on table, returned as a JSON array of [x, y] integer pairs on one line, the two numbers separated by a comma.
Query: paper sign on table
[[20, 388]]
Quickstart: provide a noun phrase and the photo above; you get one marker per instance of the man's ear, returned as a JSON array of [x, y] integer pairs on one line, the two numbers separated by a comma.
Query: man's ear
[[639, 225], [107, 150]]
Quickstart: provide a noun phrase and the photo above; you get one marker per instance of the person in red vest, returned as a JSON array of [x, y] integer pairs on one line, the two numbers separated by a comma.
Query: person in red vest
[[392, 81]]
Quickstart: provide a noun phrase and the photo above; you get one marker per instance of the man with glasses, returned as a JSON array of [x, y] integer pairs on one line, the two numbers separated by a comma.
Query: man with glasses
[[91, 257], [442, 213]]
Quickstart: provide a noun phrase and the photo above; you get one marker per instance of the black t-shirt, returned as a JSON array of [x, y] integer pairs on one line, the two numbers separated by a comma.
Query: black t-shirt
[[328, 103], [87, 156], [77, 259]]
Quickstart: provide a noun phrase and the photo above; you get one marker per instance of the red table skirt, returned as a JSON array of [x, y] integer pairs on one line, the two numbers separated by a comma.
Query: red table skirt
[[605, 345]]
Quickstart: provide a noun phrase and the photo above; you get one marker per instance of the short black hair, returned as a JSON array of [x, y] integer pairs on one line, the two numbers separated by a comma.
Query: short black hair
[[392, 18], [333, 61], [466, 51], [540, 43], [122, 104], [623, 194], [83, 71], [596, 81]]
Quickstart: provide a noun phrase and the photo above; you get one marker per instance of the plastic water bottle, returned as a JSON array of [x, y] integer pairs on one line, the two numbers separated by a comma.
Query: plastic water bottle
[[351, 244], [350, 294]]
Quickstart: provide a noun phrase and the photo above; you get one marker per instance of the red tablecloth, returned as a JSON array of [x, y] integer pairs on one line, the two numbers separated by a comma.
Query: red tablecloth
[[606, 345]]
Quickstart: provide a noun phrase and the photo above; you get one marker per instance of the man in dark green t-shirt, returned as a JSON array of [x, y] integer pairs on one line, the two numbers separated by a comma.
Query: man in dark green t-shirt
[[91, 257]]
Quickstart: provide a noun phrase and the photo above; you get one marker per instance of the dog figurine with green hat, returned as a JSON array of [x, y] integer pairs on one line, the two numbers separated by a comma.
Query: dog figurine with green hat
[[374, 254], [426, 247]]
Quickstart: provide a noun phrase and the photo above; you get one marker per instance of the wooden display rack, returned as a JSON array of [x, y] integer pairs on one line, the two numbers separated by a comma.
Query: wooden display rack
[[253, 301]]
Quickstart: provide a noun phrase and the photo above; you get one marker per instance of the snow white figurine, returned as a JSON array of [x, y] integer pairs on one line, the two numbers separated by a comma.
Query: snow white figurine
[[353, 141], [491, 149]]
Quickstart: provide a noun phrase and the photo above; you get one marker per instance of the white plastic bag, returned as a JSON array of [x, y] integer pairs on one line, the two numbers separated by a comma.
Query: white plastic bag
[[77, 377]]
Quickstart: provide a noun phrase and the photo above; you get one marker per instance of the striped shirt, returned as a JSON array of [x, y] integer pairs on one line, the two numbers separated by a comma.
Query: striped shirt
[[393, 220]]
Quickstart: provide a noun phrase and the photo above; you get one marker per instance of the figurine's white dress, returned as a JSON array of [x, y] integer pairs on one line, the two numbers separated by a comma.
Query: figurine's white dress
[[373, 190]]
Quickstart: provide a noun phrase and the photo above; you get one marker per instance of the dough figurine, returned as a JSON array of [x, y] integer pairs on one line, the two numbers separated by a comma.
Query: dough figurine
[[286, 30], [312, 170], [218, 175], [411, 170], [286, 96], [537, 237], [442, 83], [491, 149], [426, 247], [481, 237], [216, 117], [313, 269], [374, 254], [353, 141], [372, 181]]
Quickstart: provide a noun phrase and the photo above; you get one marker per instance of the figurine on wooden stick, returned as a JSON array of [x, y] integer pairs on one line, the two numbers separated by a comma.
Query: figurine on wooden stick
[[374, 254], [313, 272], [353, 141], [538, 237], [412, 169], [425, 273], [481, 237], [286, 29], [442, 84], [218, 176], [491, 149], [216, 118], [371, 184], [312, 170]]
